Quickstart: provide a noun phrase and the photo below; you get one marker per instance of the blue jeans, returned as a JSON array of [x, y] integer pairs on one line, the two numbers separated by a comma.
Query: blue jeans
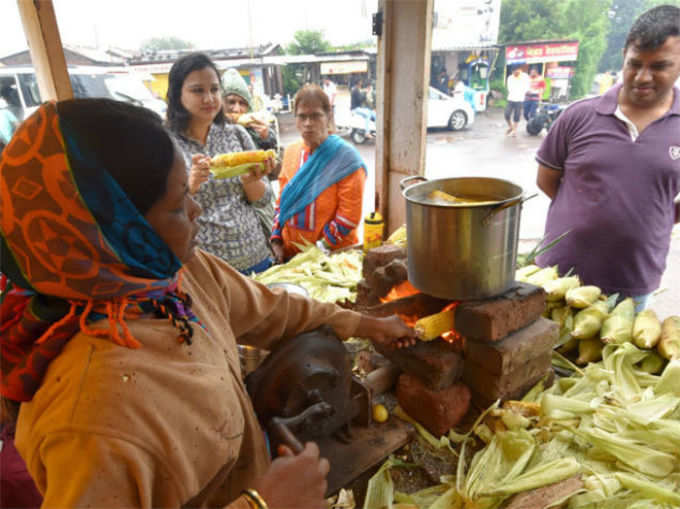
[[258, 267], [530, 108], [641, 301]]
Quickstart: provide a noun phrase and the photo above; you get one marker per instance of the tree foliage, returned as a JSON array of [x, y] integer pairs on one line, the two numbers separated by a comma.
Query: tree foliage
[[308, 42], [584, 20], [161, 43]]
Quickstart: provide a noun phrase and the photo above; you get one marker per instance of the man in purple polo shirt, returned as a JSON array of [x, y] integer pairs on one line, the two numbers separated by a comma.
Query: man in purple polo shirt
[[611, 166]]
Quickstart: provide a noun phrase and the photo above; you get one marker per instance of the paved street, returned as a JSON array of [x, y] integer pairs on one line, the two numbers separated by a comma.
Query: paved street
[[484, 150]]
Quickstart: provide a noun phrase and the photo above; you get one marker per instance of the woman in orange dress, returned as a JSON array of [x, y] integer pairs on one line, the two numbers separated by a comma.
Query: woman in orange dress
[[322, 183]]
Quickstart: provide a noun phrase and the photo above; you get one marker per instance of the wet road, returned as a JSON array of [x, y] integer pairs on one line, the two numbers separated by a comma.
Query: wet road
[[483, 150]]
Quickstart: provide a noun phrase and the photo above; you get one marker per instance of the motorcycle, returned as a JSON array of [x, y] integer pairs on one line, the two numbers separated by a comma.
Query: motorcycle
[[545, 115], [358, 124]]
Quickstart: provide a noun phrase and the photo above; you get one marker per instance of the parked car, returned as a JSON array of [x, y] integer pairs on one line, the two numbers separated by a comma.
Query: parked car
[[19, 88], [445, 111]]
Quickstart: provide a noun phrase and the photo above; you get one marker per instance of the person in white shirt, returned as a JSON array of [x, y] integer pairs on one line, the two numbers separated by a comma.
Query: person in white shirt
[[518, 84], [331, 91]]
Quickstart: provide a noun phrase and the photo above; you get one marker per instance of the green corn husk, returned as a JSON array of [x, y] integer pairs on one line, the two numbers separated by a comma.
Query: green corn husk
[[646, 329], [618, 327], [669, 381], [588, 321], [523, 273], [650, 489], [583, 296], [557, 288], [541, 277], [561, 316], [231, 171], [653, 363], [644, 459], [669, 343]]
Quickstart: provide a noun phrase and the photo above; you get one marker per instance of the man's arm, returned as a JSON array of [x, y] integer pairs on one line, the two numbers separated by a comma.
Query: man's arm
[[548, 181]]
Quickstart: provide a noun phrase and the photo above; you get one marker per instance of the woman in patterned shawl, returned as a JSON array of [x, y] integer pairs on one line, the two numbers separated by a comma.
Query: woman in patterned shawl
[[125, 398], [230, 226]]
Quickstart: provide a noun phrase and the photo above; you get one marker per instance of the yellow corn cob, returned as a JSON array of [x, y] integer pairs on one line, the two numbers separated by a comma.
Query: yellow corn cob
[[239, 158], [646, 329], [618, 327], [589, 350], [669, 344], [432, 326]]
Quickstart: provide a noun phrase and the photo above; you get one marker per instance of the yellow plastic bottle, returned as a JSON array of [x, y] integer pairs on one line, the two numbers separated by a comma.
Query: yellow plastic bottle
[[373, 230]]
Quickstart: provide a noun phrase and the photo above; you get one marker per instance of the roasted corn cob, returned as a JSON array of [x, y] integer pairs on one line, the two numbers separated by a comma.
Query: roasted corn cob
[[432, 326], [232, 159]]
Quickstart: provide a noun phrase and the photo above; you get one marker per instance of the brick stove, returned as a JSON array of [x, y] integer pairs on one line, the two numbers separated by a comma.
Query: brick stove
[[504, 346]]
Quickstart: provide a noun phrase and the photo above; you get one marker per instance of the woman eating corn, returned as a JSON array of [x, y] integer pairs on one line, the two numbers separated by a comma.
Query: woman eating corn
[[230, 226], [119, 338], [322, 182]]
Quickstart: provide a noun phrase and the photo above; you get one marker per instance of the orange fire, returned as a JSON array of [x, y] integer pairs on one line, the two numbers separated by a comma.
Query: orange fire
[[406, 289], [400, 291]]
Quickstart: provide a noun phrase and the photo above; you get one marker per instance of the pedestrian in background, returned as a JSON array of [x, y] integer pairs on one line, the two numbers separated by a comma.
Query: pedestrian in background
[[611, 166], [331, 91], [517, 85], [534, 94]]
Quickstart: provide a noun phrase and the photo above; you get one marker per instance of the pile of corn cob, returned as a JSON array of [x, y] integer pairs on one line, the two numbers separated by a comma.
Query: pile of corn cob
[[326, 278], [588, 320], [611, 427]]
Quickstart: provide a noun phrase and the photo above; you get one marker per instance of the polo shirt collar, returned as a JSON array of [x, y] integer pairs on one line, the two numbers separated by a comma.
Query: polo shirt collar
[[609, 101]]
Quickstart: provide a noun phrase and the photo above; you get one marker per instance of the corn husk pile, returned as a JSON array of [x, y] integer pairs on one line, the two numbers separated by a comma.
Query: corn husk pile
[[327, 278], [589, 320], [612, 425]]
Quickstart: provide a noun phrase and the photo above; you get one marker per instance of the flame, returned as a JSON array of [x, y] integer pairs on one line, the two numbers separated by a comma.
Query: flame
[[400, 291]]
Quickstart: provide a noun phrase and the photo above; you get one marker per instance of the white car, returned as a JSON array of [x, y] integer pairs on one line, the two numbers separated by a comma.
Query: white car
[[445, 111]]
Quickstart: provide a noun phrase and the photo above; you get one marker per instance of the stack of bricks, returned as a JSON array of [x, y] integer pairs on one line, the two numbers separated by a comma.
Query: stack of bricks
[[508, 344], [507, 347]]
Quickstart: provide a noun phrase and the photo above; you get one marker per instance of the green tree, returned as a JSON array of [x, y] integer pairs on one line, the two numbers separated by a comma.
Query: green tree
[[305, 42], [308, 42], [584, 20], [161, 43]]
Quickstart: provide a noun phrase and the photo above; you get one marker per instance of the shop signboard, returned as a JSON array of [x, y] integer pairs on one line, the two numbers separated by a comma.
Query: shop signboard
[[541, 52], [560, 73], [348, 67]]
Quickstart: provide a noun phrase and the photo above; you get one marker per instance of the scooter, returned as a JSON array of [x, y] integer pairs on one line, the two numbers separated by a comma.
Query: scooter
[[358, 124], [545, 115]]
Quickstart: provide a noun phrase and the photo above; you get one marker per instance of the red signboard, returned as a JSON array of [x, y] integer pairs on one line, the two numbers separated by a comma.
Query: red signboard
[[544, 52]]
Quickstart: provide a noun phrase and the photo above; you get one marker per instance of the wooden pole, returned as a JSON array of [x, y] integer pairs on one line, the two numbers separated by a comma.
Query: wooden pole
[[47, 53], [403, 68]]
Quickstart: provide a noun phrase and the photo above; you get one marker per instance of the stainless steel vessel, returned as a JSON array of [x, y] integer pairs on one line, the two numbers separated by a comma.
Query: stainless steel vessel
[[467, 250]]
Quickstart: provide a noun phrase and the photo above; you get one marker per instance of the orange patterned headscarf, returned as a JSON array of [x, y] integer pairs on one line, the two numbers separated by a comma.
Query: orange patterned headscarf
[[73, 249]]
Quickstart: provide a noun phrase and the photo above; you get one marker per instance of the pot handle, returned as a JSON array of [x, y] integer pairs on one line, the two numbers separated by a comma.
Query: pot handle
[[506, 205], [402, 182]]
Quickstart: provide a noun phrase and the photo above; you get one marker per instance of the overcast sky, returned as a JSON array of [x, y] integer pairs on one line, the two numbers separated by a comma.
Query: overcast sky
[[206, 23]]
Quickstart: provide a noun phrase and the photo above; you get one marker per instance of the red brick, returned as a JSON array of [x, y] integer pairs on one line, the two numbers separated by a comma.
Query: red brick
[[515, 350], [436, 363], [381, 256], [493, 319], [482, 401], [438, 411], [489, 387]]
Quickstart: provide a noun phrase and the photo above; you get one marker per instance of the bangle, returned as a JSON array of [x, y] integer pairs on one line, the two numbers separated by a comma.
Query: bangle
[[254, 499]]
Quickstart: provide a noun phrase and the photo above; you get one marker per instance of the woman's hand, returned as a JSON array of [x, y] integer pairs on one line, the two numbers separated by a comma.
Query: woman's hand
[[259, 170], [199, 173], [389, 331], [295, 481], [261, 128], [277, 249]]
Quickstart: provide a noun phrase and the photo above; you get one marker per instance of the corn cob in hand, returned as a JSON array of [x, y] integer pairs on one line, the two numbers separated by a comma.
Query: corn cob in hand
[[234, 164]]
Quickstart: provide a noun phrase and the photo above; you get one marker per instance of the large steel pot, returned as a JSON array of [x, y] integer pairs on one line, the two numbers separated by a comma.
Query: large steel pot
[[462, 251]]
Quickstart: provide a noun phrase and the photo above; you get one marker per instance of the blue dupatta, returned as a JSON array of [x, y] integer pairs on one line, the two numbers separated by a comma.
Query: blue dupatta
[[334, 160]]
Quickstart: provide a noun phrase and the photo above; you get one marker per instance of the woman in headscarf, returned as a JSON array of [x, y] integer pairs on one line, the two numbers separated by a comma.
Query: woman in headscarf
[[322, 183], [118, 337], [230, 226], [238, 108]]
